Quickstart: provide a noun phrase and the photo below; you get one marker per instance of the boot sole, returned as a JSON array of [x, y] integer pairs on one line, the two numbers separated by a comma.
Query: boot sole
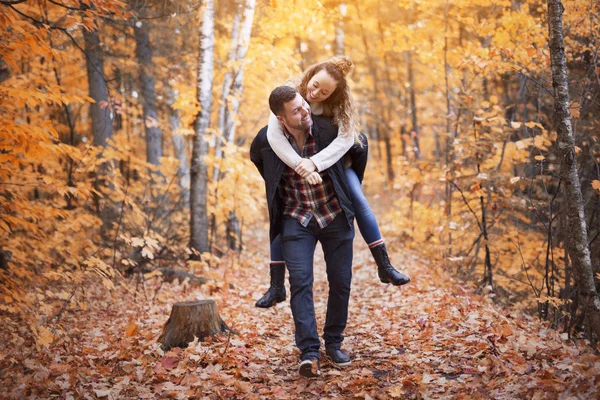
[[270, 305], [307, 369], [395, 284], [344, 364]]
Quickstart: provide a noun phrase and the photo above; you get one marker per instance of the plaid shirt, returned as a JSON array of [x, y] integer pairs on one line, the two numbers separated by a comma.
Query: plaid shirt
[[302, 200]]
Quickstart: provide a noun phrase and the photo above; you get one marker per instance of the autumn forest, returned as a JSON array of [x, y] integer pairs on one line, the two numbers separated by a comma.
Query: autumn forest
[[126, 187]]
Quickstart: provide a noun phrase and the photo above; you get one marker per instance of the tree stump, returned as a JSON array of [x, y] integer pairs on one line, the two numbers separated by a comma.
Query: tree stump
[[189, 319]]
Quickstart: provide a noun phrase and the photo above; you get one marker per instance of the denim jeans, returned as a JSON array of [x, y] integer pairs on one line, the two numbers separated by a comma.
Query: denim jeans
[[365, 219], [299, 244], [276, 250]]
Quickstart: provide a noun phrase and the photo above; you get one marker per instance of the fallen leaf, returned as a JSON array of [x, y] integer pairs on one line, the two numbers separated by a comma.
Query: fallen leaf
[[132, 330], [169, 363]]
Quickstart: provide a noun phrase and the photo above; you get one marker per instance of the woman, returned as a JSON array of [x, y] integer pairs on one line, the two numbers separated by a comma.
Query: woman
[[325, 88]]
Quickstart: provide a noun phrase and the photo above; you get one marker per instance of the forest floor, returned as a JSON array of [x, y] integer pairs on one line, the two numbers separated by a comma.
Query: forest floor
[[433, 338]]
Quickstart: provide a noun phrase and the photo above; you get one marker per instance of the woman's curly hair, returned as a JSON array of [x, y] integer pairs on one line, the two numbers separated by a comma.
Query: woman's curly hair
[[339, 104]]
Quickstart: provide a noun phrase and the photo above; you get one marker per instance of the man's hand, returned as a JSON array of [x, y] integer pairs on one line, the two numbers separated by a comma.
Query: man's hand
[[305, 168], [314, 178]]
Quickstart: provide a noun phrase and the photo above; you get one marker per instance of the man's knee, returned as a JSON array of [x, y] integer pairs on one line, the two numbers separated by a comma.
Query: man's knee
[[300, 275]]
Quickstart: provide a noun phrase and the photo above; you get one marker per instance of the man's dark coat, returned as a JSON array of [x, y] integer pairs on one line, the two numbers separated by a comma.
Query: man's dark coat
[[271, 169]]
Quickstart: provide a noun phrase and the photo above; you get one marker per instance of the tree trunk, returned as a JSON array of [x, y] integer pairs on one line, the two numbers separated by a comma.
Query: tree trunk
[[388, 155], [234, 232], [102, 128], [190, 320], [102, 117], [414, 134], [143, 53], [449, 139], [339, 31], [235, 33], [4, 70], [577, 244], [178, 143], [238, 76], [199, 170]]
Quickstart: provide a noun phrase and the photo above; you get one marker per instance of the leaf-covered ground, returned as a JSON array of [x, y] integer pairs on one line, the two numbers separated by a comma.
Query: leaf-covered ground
[[430, 339]]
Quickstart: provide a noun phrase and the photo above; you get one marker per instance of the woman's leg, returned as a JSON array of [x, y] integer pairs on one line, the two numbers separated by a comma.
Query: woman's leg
[[277, 251], [367, 224], [276, 291], [369, 229]]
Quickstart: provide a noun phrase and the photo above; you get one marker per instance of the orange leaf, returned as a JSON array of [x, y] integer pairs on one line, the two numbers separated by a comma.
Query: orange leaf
[[575, 108], [132, 330]]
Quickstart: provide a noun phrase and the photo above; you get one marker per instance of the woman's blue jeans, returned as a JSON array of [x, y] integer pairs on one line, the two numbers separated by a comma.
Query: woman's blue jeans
[[367, 224]]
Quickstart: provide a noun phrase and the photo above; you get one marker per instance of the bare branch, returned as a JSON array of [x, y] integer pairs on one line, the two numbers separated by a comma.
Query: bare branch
[[11, 3], [467, 204]]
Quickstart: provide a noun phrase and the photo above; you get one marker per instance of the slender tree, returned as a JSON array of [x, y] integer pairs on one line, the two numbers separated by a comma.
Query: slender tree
[[238, 77], [102, 116], [577, 244], [339, 31], [413, 104], [233, 225], [199, 169], [235, 32], [143, 53], [178, 142]]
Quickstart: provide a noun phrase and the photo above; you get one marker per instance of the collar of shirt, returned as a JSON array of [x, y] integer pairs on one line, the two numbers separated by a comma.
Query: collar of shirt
[[291, 139]]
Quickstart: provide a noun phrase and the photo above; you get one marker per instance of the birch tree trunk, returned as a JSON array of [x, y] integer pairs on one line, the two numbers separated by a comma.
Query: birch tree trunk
[[577, 244], [178, 143], [238, 78], [199, 170], [339, 31], [234, 79], [143, 53], [235, 31], [233, 226]]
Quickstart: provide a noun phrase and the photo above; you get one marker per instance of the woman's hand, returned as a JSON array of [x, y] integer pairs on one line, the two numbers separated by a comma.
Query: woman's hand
[[314, 178], [305, 168]]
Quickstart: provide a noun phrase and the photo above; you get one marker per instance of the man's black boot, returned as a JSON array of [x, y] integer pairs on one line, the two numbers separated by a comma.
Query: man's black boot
[[337, 356], [276, 292], [387, 273]]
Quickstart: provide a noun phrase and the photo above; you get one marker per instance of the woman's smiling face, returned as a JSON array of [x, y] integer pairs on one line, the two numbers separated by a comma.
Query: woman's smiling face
[[320, 87]]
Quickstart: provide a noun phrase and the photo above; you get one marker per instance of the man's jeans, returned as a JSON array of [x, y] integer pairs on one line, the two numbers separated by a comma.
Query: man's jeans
[[298, 251]]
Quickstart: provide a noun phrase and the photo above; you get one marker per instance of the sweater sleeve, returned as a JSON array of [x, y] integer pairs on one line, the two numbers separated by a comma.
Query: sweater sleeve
[[280, 145], [333, 152]]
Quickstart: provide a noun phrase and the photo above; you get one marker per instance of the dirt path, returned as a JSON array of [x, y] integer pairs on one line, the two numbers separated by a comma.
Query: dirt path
[[430, 339]]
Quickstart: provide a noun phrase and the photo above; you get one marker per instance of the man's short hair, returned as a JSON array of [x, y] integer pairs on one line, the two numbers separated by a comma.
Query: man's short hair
[[279, 96]]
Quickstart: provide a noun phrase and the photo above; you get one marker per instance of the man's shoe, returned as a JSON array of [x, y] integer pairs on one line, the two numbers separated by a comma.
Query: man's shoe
[[276, 292], [387, 273], [338, 357], [310, 368]]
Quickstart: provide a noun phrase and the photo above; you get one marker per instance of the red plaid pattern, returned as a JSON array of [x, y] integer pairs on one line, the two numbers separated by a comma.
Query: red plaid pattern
[[302, 200]]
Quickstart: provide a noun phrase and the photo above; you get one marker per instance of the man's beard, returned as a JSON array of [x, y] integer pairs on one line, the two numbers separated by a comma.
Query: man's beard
[[300, 126]]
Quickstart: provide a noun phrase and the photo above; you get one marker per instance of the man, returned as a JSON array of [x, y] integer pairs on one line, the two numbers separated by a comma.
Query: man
[[304, 214]]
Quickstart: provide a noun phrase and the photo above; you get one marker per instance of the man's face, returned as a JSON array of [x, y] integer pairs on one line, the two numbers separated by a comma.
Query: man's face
[[296, 114]]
